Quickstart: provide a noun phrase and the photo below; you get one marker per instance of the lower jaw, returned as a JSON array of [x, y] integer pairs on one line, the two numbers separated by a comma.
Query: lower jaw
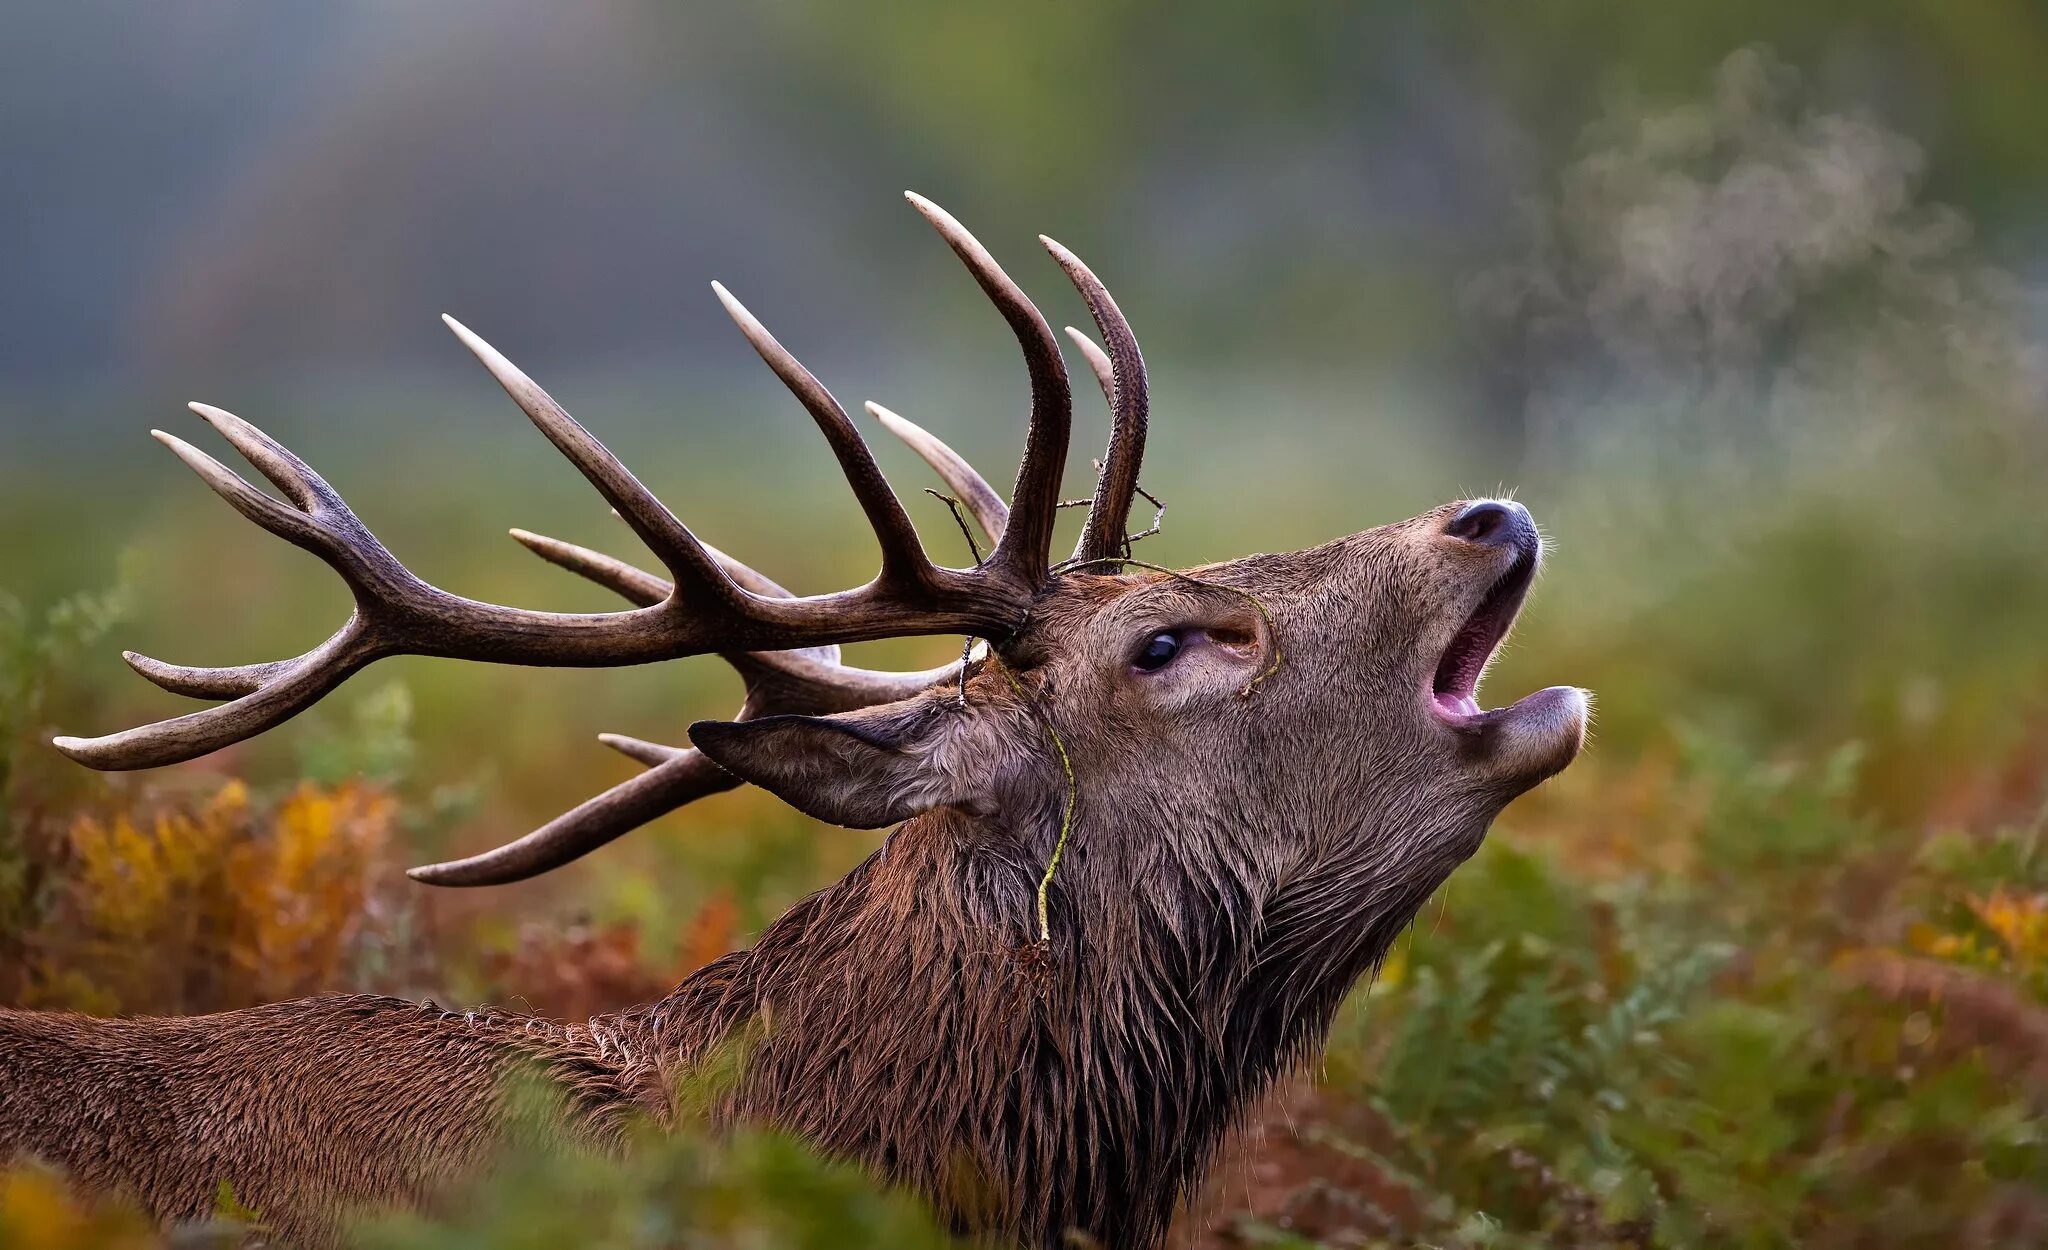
[[1539, 734], [1565, 704]]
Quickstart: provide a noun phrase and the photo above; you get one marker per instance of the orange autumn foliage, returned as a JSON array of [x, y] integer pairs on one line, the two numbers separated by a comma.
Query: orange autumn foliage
[[223, 903]]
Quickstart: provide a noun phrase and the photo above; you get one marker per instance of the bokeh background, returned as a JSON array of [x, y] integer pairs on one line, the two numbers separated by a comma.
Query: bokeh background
[[1743, 299]]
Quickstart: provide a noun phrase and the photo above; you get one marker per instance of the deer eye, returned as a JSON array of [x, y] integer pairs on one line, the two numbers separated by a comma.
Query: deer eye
[[1157, 652]]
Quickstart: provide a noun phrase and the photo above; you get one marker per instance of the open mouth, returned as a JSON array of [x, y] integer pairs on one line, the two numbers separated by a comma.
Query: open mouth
[[1454, 690]]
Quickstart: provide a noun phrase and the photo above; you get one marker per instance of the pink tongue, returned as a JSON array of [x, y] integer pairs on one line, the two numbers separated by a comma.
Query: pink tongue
[[1457, 704]]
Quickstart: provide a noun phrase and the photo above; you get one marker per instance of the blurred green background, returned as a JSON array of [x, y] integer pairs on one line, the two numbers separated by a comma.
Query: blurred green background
[[1744, 301]]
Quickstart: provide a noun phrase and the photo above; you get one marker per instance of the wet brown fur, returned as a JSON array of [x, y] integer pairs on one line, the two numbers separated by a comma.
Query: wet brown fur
[[1238, 863]]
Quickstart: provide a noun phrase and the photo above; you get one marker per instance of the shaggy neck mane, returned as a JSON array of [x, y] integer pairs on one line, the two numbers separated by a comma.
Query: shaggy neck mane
[[905, 1018]]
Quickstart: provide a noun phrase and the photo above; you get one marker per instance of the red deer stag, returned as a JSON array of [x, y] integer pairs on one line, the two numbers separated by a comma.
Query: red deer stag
[[1149, 833]]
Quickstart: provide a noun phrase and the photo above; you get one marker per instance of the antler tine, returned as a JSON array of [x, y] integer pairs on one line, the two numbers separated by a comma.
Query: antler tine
[[633, 585], [636, 585], [286, 471], [204, 683], [644, 588], [287, 688], [1109, 513], [669, 539], [648, 753], [290, 524], [904, 563], [990, 512], [1099, 363], [1025, 551], [681, 779]]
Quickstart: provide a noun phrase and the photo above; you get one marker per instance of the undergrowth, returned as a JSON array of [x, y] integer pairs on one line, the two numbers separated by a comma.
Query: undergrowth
[[1735, 1002], [1824, 1032]]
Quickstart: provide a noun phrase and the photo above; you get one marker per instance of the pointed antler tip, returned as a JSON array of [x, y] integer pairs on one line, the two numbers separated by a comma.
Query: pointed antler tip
[[79, 750], [492, 358], [933, 213], [651, 754], [733, 308], [1076, 268], [141, 663], [470, 338], [219, 418], [765, 343], [184, 450], [540, 544], [896, 423], [450, 873]]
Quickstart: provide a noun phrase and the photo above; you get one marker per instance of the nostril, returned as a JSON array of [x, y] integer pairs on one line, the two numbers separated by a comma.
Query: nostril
[[1487, 521]]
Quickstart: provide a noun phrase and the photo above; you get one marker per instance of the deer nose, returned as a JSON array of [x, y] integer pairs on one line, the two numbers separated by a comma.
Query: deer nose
[[1494, 522]]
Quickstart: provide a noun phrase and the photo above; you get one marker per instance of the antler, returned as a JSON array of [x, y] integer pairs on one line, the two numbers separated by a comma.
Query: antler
[[705, 609], [1121, 372], [784, 646], [814, 682]]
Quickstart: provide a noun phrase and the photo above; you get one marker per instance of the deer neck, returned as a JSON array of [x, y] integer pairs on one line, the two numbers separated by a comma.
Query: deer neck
[[907, 1017]]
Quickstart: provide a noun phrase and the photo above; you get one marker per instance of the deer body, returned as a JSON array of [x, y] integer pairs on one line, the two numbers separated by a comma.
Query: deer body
[[898, 1023], [1145, 841]]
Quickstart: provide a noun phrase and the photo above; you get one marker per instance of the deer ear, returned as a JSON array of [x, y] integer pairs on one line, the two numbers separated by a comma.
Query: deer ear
[[863, 769]]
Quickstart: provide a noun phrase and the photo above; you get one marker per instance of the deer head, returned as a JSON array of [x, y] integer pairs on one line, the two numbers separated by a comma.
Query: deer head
[[1230, 786], [1296, 736]]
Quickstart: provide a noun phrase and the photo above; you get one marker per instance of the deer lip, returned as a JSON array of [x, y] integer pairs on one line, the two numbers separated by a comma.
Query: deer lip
[[1454, 689]]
